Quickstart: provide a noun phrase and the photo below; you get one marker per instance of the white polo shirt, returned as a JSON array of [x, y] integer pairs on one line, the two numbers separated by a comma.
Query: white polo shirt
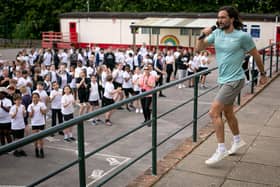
[[38, 118], [56, 102], [109, 87], [94, 94], [127, 84], [4, 116], [18, 120], [65, 99]]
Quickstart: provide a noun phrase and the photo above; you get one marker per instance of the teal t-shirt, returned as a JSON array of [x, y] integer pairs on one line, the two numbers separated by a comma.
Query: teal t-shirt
[[230, 52]]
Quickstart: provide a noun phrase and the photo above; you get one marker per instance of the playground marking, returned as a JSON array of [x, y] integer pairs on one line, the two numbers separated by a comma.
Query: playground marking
[[112, 160]]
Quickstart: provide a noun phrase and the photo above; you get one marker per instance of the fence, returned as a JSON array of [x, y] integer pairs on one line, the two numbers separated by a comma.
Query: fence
[[268, 60], [19, 43]]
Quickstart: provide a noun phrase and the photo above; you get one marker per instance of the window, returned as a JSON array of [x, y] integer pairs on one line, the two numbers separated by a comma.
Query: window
[[245, 29], [184, 31], [145, 30], [155, 30], [196, 32], [255, 31]]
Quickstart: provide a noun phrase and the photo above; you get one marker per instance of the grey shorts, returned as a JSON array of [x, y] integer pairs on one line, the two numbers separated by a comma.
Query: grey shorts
[[229, 91]]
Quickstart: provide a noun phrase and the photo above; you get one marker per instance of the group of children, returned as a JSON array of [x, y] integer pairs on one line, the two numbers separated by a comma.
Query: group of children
[[13, 116], [62, 86]]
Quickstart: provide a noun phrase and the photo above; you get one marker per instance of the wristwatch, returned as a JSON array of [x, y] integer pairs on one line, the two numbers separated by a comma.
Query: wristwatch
[[263, 73]]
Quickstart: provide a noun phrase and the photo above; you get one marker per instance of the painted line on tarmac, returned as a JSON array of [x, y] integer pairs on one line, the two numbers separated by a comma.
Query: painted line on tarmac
[[76, 151], [178, 102], [204, 102], [97, 173], [106, 173]]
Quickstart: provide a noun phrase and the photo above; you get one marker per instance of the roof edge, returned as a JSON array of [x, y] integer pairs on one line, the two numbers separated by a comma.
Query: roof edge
[[142, 15]]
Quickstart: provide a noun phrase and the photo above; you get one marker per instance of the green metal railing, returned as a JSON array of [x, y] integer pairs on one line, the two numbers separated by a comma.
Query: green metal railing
[[78, 121]]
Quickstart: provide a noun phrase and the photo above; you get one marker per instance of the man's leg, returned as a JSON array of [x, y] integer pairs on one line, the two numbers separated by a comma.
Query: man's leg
[[233, 125], [215, 114], [231, 119]]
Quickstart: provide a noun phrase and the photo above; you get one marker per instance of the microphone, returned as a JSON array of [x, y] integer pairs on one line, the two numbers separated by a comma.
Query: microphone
[[203, 35]]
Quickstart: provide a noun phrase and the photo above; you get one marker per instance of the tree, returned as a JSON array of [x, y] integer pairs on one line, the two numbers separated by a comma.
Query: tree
[[28, 18]]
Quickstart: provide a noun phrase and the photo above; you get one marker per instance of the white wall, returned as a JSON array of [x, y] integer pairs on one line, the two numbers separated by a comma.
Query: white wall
[[115, 31], [267, 32], [118, 32]]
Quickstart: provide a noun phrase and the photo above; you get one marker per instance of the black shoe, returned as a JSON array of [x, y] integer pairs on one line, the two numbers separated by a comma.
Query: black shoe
[[72, 139], [67, 140], [22, 153], [16, 153], [128, 109], [42, 155], [108, 122], [61, 133], [131, 106], [161, 95], [37, 152], [148, 124], [99, 120]]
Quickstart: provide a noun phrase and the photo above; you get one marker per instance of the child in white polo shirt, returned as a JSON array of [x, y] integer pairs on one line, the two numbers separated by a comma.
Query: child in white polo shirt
[[55, 98], [17, 113], [67, 110], [37, 111]]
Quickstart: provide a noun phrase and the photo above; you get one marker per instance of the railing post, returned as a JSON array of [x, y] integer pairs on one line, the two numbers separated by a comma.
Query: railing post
[[253, 76], [154, 134], [195, 96], [239, 99], [270, 66], [81, 154], [263, 56], [277, 56]]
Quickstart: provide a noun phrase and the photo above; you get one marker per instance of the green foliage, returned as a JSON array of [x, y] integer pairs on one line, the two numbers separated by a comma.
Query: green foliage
[[28, 18]]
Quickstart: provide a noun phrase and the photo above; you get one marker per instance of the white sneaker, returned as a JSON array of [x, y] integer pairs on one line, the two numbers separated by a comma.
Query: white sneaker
[[216, 157], [235, 146], [180, 86], [141, 111], [137, 110]]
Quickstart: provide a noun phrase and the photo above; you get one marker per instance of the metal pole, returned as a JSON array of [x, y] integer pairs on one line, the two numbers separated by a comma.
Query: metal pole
[[157, 40], [277, 56], [150, 38], [87, 5], [81, 154], [263, 57], [239, 99], [154, 134], [195, 96], [134, 39], [270, 66], [253, 76]]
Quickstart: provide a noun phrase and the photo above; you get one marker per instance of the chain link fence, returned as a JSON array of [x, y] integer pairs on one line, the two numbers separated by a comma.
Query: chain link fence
[[19, 43]]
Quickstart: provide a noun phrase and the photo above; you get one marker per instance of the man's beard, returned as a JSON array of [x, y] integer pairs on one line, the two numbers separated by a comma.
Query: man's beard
[[224, 26]]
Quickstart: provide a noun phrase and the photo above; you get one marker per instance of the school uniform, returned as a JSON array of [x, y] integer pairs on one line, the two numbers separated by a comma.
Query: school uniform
[[17, 123], [68, 111], [56, 106], [94, 94], [38, 119]]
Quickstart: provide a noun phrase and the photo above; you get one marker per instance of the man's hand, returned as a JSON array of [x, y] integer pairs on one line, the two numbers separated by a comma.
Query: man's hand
[[207, 31], [263, 80]]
